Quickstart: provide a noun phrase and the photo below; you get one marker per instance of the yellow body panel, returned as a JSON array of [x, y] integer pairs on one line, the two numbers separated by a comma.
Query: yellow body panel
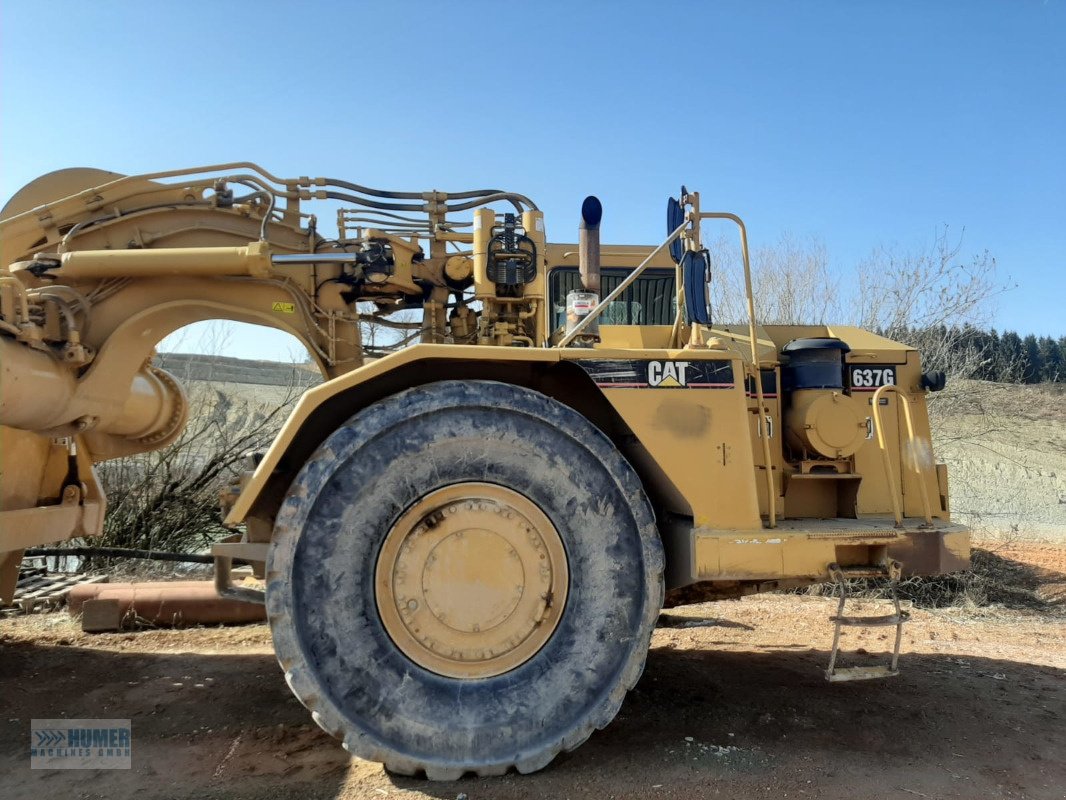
[[802, 549], [681, 429]]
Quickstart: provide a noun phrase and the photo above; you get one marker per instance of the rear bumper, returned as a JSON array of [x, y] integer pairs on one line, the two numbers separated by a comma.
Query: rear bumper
[[804, 549], [935, 552]]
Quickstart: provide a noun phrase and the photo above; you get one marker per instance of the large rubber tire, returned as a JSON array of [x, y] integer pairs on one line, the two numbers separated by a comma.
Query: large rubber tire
[[329, 638]]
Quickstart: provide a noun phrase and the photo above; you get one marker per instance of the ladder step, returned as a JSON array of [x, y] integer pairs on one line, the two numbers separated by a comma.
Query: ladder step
[[872, 622], [891, 570], [860, 673], [872, 571]]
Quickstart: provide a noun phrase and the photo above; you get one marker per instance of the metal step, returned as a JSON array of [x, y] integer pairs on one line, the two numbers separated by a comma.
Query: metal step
[[872, 622], [860, 673], [889, 569]]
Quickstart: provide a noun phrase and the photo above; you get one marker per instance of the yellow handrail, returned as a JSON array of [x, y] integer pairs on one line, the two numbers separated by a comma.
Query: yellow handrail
[[905, 402], [771, 494]]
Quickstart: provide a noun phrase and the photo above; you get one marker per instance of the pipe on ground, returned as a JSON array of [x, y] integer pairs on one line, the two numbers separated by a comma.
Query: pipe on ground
[[178, 603]]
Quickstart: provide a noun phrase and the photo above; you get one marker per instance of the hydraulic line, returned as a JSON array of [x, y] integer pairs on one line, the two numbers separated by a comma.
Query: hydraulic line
[[122, 217], [362, 201], [516, 200], [355, 187]]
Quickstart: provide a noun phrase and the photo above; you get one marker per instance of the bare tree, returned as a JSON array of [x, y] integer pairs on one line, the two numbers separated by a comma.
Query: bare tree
[[927, 298], [791, 280]]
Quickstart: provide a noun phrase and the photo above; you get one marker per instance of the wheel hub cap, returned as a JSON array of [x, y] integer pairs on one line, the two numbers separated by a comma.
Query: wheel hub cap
[[471, 580]]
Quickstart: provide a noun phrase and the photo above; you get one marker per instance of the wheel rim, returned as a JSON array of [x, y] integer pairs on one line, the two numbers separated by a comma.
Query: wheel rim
[[471, 580]]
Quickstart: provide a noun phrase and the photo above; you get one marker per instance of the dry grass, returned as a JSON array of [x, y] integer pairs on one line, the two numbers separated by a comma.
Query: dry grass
[[992, 581]]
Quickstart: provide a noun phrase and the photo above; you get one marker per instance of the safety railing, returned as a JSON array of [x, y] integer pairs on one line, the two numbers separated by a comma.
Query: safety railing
[[912, 447]]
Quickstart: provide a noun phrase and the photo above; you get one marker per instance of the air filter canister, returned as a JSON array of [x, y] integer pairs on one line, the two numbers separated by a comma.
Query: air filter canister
[[820, 419]]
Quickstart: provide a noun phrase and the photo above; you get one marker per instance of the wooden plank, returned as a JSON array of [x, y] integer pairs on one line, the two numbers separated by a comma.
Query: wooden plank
[[99, 616], [248, 551], [35, 582], [55, 592], [54, 585]]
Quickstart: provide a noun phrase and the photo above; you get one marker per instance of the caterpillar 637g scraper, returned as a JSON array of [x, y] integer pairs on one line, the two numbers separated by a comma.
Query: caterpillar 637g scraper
[[467, 541]]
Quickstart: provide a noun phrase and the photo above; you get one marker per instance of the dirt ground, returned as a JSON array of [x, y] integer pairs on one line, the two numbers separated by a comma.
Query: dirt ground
[[732, 704]]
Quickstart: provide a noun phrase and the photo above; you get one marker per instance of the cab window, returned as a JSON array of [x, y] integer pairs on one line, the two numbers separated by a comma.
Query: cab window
[[650, 299]]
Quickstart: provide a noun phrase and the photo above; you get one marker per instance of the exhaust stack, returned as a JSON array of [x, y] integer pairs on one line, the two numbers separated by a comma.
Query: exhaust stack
[[588, 244], [579, 304]]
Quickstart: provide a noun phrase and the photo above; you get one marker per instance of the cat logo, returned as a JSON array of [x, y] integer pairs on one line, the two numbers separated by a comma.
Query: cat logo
[[667, 373]]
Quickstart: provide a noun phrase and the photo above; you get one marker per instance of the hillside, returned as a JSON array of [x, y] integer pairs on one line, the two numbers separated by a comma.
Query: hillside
[[222, 369], [1005, 447]]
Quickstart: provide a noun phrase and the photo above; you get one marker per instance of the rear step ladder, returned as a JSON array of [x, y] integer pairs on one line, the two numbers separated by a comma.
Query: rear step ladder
[[840, 575]]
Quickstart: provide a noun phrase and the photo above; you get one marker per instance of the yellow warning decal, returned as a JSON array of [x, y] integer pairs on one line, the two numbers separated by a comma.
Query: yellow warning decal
[[284, 308]]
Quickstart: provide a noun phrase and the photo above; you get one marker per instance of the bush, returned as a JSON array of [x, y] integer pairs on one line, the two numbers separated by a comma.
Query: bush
[[991, 581], [168, 500]]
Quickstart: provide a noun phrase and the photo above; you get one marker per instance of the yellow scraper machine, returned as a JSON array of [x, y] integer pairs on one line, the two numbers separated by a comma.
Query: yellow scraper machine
[[466, 542]]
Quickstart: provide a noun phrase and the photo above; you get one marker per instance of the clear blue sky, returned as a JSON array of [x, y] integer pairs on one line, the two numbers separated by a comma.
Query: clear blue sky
[[862, 123]]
